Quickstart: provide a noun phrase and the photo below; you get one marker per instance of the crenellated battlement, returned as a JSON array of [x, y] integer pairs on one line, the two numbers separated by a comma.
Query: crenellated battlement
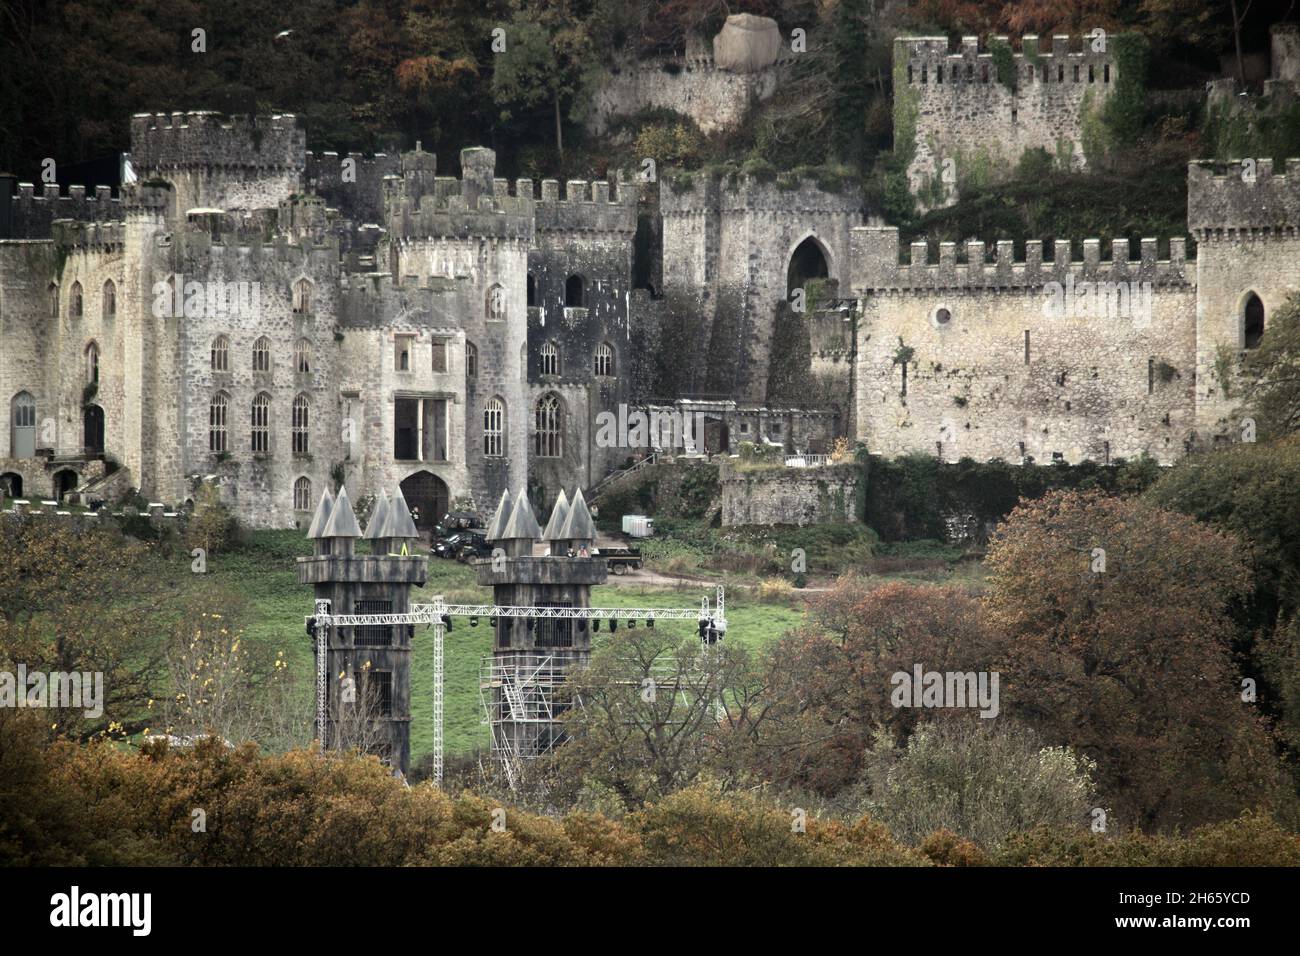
[[1243, 197], [708, 191], [34, 213], [933, 61], [75, 234], [379, 300], [879, 266], [419, 203], [203, 139], [598, 206]]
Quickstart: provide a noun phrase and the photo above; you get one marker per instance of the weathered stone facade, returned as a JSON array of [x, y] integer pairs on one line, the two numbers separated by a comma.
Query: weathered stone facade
[[958, 120], [798, 496]]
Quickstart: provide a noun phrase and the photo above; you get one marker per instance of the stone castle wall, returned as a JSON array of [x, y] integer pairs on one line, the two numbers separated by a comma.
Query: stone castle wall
[[798, 496], [950, 105], [993, 371]]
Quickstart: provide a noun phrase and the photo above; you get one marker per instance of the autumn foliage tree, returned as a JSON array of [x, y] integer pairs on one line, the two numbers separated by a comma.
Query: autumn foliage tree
[[1116, 619]]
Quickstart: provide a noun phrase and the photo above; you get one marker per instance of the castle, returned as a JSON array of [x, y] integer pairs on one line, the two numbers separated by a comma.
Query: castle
[[273, 321]]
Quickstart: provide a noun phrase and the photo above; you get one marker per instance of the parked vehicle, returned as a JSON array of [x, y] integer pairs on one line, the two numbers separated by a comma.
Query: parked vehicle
[[473, 545], [455, 521], [449, 547], [621, 560]]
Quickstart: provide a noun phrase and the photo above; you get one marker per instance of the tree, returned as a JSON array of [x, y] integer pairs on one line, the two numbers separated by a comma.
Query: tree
[[829, 683], [652, 713], [547, 60], [1271, 374], [980, 779], [1116, 616]]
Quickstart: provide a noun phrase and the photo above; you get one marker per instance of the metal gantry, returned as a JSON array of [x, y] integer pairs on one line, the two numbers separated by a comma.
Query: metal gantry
[[439, 613]]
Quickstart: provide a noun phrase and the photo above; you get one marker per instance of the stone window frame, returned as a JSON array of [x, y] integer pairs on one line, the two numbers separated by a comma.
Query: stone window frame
[[604, 360], [218, 423], [581, 288], [471, 359], [76, 302], [548, 359], [52, 299], [1243, 333], [495, 304], [108, 299], [548, 426], [301, 424], [303, 296], [220, 360], [262, 354], [260, 424], [302, 493], [92, 362], [494, 427], [408, 339], [934, 316], [302, 356]]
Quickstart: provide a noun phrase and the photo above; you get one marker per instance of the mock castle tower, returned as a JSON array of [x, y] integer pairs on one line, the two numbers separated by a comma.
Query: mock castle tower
[[522, 682], [368, 687]]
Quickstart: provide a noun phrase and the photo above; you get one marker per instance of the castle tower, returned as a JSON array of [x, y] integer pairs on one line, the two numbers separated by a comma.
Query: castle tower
[[532, 657], [1245, 216], [368, 667]]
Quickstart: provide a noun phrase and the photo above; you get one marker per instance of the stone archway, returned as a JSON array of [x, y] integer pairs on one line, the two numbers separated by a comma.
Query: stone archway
[[65, 481], [93, 431], [428, 495], [809, 260], [11, 485]]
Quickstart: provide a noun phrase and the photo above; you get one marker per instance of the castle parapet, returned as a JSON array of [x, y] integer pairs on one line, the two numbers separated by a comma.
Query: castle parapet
[[598, 206], [378, 300], [202, 139], [878, 266], [75, 234], [933, 61], [33, 214], [419, 204], [1242, 196]]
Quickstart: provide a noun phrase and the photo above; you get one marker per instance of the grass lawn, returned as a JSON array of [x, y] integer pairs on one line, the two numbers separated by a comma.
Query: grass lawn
[[258, 583]]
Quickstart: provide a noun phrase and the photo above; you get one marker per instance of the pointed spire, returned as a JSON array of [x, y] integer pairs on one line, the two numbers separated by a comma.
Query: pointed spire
[[343, 521], [498, 522], [377, 518], [578, 526], [399, 523], [559, 514], [522, 525], [322, 515]]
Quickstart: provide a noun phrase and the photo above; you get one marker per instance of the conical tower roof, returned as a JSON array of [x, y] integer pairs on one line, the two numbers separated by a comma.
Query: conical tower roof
[[399, 523], [377, 518], [578, 526], [499, 519], [322, 516], [559, 514], [522, 524], [343, 521]]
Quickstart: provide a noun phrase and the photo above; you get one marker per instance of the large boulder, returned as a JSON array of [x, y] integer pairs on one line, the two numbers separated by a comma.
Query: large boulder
[[746, 44]]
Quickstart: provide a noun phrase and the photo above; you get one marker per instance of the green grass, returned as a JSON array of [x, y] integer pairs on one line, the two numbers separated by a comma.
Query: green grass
[[258, 582]]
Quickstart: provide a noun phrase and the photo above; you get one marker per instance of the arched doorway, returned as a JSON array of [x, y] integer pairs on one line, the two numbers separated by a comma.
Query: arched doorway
[[808, 261], [426, 493], [22, 426], [1252, 322], [11, 485], [93, 431], [64, 482]]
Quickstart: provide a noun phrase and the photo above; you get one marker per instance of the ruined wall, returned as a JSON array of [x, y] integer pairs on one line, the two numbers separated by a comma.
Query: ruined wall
[[798, 496], [950, 105], [717, 100], [998, 373], [728, 242]]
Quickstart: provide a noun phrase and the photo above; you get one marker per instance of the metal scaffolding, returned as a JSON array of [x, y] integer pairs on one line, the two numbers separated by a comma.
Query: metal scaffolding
[[528, 682]]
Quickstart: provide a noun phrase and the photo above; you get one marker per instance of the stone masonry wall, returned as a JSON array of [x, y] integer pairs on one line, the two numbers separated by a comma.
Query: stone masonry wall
[[799, 496]]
